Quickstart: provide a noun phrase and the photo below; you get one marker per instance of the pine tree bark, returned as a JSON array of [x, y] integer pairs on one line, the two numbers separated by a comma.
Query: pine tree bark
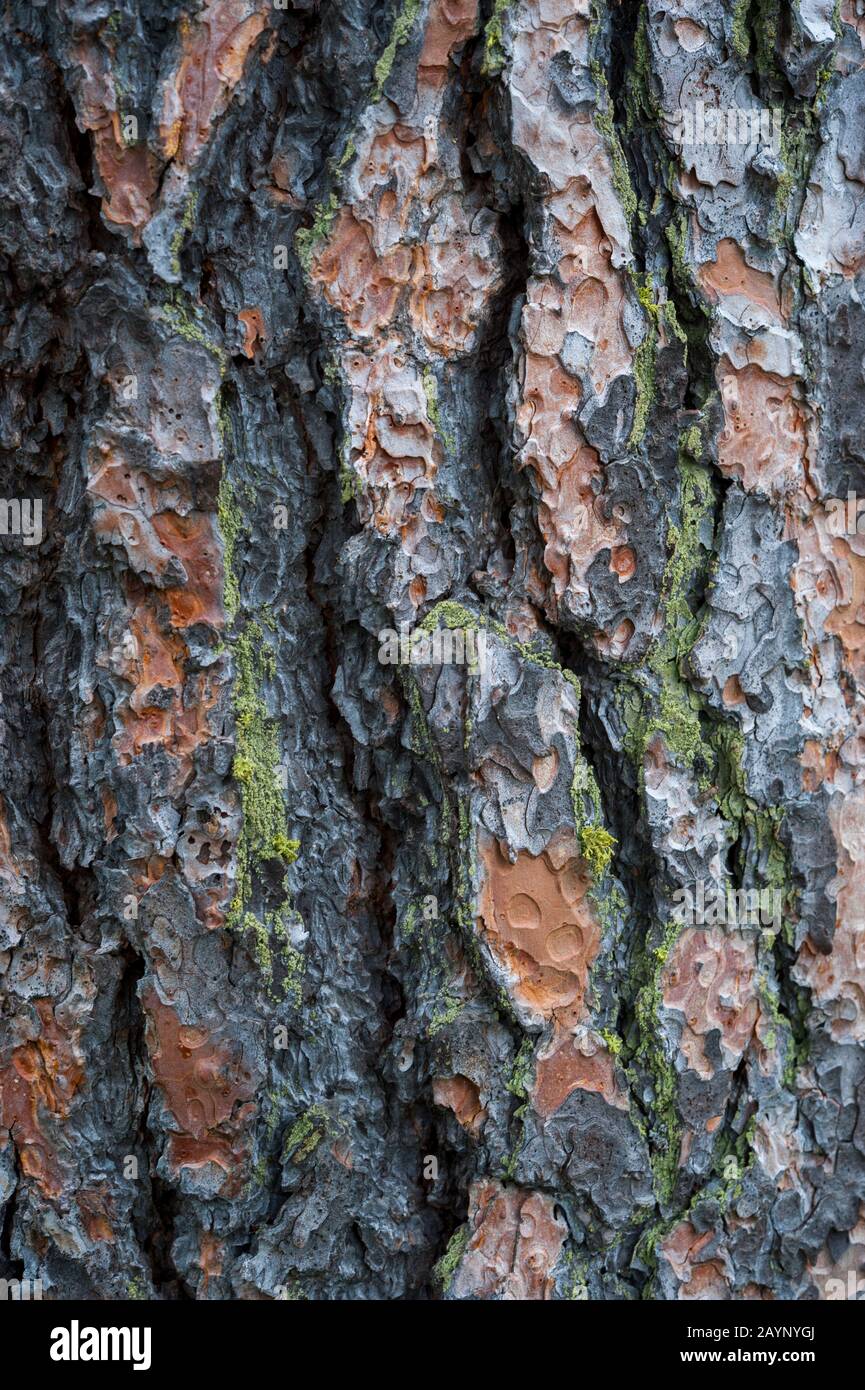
[[520, 957]]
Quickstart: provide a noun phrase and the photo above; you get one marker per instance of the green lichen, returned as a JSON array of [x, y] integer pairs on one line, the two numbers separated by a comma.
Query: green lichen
[[644, 376], [575, 1285], [585, 793], [339, 166], [670, 316], [596, 842], [827, 67], [446, 1015], [408, 926], [293, 1292], [430, 386], [306, 1134], [261, 942], [290, 959], [307, 238], [740, 34], [520, 1079], [786, 184], [271, 946], [761, 851], [652, 1051], [508, 1170], [674, 711], [182, 315], [597, 845], [187, 222], [621, 178], [230, 525], [644, 358], [259, 1172], [765, 18], [686, 545], [604, 123], [445, 1269], [265, 832], [758, 827], [494, 50], [135, 1290], [451, 614], [641, 97], [767, 992], [676, 233], [350, 487], [399, 34], [692, 442]]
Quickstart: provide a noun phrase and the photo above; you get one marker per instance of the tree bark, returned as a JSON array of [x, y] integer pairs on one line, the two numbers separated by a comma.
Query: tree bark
[[432, 848]]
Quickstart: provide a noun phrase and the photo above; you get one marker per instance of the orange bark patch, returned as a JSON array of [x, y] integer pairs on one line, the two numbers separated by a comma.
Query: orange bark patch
[[131, 178], [193, 540], [837, 980], [133, 511], [40, 1080], [363, 286], [129, 173], [9, 870], [588, 297], [856, 22], [109, 811], [763, 440], [459, 1094], [829, 584], [92, 1204], [210, 1258], [570, 1063], [253, 330], [819, 765], [394, 452], [206, 1086], [541, 927], [623, 562], [731, 278], [388, 239], [157, 664], [450, 23], [697, 1278], [515, 1242], [166, 707], [214, 48], [709, 979], [847, 620]]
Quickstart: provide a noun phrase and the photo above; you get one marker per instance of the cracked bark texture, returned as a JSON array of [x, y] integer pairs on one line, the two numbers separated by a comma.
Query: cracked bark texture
[[318, 977]]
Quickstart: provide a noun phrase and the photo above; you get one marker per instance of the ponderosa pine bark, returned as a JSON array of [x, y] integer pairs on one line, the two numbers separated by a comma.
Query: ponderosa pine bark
[[522, 958]]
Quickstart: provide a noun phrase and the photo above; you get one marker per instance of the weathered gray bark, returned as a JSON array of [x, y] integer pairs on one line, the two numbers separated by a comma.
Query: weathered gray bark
[[329, 977]]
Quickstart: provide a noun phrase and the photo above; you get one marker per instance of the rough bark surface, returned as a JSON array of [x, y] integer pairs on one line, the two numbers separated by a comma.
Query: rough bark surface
[[324, 977]]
